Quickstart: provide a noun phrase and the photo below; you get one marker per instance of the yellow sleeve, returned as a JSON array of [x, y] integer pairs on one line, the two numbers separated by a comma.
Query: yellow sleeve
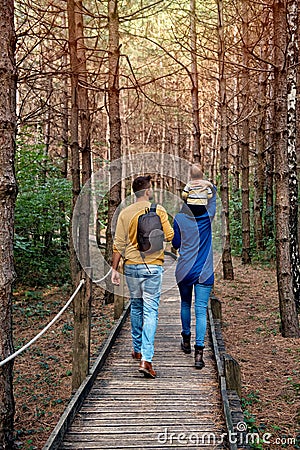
[[120, 236], [167, 229]]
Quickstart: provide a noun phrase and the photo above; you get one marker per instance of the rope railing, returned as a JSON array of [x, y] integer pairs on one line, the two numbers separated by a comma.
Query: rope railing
[[22, 349], [103, 278]]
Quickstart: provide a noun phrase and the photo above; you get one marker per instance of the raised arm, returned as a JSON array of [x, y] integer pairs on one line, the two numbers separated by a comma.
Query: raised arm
[[176, 242], [212, 203]]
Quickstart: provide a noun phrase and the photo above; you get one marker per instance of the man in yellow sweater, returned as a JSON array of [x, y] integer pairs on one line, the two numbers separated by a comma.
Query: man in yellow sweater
[[143, 274]]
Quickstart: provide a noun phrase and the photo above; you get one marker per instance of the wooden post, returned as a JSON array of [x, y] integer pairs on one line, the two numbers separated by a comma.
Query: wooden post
[[232, 374], [119, 296], [216, 307], [82, 330]]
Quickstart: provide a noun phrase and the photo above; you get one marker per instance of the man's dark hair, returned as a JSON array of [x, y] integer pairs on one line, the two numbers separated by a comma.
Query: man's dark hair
[[140, 184]]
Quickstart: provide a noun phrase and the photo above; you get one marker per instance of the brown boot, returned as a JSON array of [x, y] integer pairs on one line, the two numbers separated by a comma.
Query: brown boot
[[136, 355], [147, 369], [186, 343], [199, 363]]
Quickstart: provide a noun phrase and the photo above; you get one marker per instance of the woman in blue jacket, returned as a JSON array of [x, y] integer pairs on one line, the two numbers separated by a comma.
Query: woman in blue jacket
[[194, 270]]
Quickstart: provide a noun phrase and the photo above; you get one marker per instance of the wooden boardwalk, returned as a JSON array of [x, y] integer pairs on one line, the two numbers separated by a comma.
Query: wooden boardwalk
[[181, 408]]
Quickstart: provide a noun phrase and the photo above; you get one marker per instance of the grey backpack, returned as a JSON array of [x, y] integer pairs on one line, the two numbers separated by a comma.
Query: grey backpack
[[150, 235]]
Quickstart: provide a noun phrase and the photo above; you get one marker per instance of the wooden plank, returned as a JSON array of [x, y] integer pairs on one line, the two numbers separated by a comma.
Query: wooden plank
[[150, 439], [125, 446], [215, 343], [232, 374], [161, 412], [93, 433], [216, 308], [121, 422]]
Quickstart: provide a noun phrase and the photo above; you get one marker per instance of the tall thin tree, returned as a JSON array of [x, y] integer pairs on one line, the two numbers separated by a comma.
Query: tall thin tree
[[269, 168], [195, 84], [289, 318], [245, 98], [74, 124], [85, 133], [259, 179], [292, 62], [114, 127], [8, 190], [226, 255], [80, 220]]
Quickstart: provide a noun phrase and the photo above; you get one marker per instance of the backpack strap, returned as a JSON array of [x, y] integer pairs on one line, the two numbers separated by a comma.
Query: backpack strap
[[151, 209]]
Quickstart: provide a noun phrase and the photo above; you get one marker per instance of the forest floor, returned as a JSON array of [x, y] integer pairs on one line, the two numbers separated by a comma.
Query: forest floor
[[269, 363]]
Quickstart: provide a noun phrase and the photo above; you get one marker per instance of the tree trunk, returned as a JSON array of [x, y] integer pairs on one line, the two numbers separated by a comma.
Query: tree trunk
[[292, 61], [8, 190], [289, 318], [114, 129], [214, 140], [163, 151], [74, 141], [177, 147], [236, 150], [80, 220], [85, 127], [226, 256], [64, 154], [269, 168], [195, 85], [246, 258], [259, 174], [65, 117], [298, 115]]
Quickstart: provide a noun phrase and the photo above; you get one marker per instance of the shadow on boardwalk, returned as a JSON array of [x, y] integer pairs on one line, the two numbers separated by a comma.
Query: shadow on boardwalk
[[181, 408]]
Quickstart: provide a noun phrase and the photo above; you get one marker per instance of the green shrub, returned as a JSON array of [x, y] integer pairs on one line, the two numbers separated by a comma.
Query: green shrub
[[41, 216]]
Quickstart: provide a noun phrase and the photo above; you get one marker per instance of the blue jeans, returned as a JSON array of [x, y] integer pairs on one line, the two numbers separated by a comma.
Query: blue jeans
[[144, 288], [202, 293]]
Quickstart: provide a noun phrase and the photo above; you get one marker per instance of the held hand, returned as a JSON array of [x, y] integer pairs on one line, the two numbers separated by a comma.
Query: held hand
[[115, 277]]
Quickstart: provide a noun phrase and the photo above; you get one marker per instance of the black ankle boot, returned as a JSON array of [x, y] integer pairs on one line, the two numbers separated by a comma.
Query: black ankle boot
[[199, 363], [186, 343]]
